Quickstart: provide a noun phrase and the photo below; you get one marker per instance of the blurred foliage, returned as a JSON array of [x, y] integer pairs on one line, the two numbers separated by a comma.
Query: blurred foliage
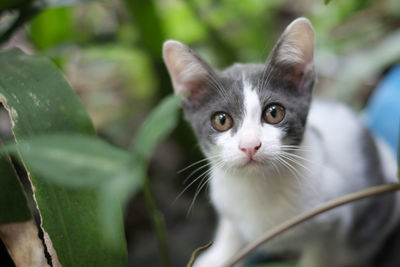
[[118, 43], [110, 51], [39, 101]]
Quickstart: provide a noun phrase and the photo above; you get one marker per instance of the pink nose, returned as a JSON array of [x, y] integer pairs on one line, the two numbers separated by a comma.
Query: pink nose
[[250, 148]]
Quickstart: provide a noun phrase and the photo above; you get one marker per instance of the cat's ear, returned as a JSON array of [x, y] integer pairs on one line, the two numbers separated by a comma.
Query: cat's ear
[[293, 55], [187, 70]]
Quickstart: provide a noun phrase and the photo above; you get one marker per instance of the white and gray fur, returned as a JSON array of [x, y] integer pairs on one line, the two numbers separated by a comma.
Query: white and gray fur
[[319, 151]]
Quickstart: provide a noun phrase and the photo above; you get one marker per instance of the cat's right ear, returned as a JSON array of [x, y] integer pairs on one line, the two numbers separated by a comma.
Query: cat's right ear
[[188, 71], [293, 55]]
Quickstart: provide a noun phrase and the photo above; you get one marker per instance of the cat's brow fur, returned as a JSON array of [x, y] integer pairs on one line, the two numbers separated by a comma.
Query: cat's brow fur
[[320, 150]]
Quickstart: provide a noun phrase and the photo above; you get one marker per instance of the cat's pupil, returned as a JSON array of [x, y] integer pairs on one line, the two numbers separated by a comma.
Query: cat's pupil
[[272, 111], [222, 119]]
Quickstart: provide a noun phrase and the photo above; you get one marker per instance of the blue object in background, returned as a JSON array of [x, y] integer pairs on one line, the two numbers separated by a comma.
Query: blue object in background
[[382, 113]]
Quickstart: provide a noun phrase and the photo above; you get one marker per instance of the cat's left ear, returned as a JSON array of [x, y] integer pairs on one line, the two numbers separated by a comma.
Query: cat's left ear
[[293, 55]]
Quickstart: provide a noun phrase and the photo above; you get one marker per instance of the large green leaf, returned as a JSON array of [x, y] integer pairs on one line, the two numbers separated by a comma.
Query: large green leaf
[[83, 161], [13, 199], [40, 101], [71, 160], [126, 182], [158, 125]]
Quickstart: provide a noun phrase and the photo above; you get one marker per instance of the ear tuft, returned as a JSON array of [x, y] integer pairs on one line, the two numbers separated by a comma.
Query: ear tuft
[[186, 69]]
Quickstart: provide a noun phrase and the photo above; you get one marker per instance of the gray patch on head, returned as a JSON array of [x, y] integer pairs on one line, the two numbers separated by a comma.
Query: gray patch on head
[[296, 102], [223, 93], [272, 88]]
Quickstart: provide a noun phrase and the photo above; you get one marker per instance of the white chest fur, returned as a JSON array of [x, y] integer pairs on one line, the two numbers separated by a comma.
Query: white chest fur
[[257, 201]]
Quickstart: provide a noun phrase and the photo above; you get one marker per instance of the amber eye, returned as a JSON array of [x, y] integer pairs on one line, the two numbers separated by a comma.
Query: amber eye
[[221, 121], [274, 113]]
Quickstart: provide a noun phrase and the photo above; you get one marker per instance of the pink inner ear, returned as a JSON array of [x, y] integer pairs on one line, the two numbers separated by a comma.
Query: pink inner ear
[[186, 70], [197, 92], [295, 52], [299, 75]]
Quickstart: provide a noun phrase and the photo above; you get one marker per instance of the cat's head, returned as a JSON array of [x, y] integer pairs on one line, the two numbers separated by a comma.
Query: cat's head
[[249, 113]]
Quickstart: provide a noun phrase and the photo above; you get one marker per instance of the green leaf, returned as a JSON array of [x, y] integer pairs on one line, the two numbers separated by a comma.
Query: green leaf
[[40, 102], [158, 125], [126, 182], [51, 27], [13, 199], [71, 160], [81, 161], [327, 2]]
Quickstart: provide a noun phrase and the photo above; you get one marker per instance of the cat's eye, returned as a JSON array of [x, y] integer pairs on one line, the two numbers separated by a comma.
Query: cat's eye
[[274, 113], [221, 121]]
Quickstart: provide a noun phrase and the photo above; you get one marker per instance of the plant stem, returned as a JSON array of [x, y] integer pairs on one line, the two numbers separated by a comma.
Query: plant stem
[[158, 223], [373, 191]]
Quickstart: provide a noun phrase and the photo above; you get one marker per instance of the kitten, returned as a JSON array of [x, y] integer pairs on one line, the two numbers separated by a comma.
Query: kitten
[[274, 154]]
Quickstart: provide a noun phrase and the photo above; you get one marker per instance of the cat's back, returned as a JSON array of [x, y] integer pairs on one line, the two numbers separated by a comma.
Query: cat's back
[[361, 161]]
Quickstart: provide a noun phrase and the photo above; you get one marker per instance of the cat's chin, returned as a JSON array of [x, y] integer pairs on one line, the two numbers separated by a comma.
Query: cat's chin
[[252, 165]]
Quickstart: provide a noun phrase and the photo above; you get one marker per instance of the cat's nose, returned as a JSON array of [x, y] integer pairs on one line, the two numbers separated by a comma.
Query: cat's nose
[[250, 148]]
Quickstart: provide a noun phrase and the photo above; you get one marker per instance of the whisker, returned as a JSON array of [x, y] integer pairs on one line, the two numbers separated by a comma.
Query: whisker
[[197, 170], [293, 170], [217, 85], [298, 157], [276, 169], [193, 164], [202, 175], [295, 148], [199, 188], [288, 157], [187, 187], [298, 175], [206, 178]]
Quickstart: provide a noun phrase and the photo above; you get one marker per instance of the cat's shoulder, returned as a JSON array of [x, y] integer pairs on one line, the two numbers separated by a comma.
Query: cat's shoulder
[[327, 113]]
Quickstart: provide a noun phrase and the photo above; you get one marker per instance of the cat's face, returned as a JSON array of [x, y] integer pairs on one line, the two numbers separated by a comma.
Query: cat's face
[[247, 115]]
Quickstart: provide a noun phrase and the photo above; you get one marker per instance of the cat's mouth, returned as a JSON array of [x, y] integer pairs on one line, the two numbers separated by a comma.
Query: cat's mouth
[[252, 162]]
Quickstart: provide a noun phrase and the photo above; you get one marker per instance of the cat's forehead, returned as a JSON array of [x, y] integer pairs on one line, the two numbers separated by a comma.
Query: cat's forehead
[[260, 78], [234, 80], [244, 72]]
